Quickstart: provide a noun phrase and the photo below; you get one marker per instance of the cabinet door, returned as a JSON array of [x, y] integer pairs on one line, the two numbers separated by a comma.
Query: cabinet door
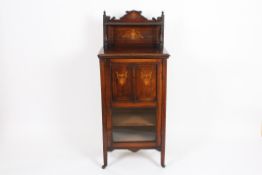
[[121, 75], [145, 82]]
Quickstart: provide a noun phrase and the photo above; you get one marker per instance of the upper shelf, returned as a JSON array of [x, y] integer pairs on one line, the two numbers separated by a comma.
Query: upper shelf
[[133, 30]]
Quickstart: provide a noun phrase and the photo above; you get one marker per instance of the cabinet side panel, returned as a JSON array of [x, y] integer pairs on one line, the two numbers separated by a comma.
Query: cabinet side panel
[[163, 122], [108, 102], [103, 100], [159, 103]]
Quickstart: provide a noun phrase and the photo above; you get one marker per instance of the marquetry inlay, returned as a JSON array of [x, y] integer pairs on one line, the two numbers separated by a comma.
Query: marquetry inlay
[[146, 77], [121, 77], [132, 34]]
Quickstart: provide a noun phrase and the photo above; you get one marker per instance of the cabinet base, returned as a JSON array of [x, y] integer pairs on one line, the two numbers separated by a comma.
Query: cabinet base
[[135, 150]]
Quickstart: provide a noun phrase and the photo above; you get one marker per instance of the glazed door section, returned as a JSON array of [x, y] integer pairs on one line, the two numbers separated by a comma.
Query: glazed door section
[[133, 125], [133, 82]]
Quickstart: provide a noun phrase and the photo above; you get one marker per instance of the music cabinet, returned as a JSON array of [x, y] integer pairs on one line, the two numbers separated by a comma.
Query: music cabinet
[[133, 66]]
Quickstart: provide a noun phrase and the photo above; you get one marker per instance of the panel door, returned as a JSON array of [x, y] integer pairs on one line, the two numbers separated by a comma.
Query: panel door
[[145, 82], [121, 76]]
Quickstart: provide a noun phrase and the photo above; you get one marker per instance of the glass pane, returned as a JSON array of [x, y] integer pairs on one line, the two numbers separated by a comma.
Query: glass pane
[[133, 134], [134, 124]]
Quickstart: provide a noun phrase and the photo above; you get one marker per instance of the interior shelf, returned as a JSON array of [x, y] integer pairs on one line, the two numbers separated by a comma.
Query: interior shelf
[[134, 117]]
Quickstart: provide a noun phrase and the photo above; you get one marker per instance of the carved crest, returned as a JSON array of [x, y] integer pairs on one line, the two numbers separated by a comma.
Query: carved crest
[[133, 16]]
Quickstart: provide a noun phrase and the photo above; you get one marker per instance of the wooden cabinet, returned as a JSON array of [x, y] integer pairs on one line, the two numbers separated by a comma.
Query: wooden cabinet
[[133, 84]]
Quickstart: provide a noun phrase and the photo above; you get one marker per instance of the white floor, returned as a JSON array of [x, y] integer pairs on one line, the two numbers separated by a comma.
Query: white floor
[[184, 157]]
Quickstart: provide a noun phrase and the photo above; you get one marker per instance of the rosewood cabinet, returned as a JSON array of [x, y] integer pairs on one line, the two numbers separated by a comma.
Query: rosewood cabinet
[[133, 66]]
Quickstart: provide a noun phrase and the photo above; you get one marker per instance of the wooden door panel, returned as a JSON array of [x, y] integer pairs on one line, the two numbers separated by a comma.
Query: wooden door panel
[[121, 75], [145, 82]]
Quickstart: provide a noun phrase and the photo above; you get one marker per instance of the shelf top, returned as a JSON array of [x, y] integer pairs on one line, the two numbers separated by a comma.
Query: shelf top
[[139, 52]]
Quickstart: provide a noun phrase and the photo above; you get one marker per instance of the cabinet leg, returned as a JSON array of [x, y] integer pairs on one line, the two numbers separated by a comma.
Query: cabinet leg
[[105, 159], [163, 158], [104, 166]]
